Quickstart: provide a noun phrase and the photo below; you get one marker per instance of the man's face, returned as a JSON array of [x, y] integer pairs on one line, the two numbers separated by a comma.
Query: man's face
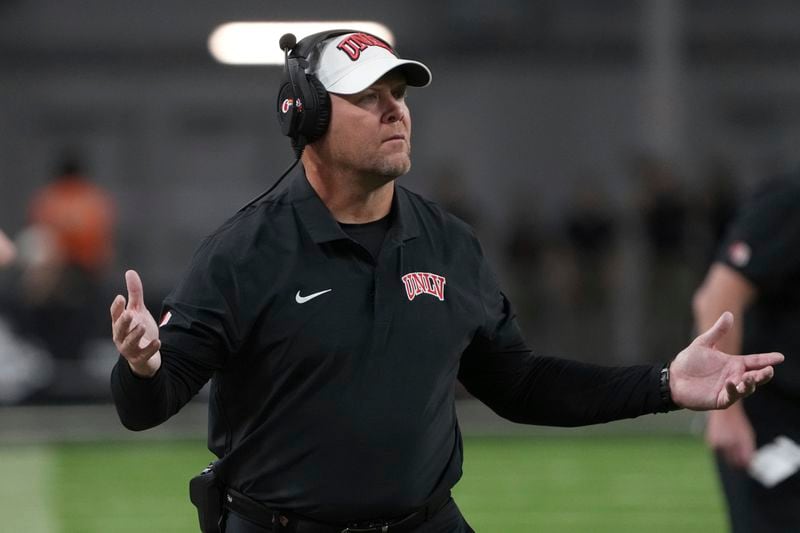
[[370, 132]]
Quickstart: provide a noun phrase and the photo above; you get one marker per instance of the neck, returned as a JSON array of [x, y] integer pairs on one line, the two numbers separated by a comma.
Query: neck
[[351, 198]]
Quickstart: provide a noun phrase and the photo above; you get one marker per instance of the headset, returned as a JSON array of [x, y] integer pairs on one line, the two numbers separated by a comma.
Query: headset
[[304, 105]]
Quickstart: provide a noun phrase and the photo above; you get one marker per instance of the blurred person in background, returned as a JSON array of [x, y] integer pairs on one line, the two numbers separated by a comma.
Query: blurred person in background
[[756, 275], [720, 196], [24, 367], [592, 233], [716, 205], [664, 209], [451, 190], [64, 254], [334, 317], [524, 259]]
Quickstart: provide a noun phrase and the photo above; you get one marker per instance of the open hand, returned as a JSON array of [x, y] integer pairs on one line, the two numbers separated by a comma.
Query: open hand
[[703, 378]]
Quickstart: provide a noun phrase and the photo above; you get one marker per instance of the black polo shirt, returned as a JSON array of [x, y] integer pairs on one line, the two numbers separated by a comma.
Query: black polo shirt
[[763, 244], [334, 372]]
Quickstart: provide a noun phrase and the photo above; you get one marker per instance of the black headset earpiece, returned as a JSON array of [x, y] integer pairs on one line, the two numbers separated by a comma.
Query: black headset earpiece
[[304, 106]]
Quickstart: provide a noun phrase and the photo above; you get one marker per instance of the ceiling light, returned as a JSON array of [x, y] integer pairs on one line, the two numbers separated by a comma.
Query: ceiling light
[[256, 43]]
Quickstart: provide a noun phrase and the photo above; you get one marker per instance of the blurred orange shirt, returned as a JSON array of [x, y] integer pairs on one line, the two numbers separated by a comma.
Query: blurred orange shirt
[[81, 216]]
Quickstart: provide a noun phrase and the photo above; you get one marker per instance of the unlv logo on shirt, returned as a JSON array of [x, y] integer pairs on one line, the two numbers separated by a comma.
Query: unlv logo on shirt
[[424, 283]]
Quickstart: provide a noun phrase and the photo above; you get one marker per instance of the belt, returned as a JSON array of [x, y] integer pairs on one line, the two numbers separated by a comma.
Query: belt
[[288, 521]]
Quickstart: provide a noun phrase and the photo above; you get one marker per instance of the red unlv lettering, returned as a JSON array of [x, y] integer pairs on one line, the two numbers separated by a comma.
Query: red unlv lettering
[[417, 283], [354, 44]]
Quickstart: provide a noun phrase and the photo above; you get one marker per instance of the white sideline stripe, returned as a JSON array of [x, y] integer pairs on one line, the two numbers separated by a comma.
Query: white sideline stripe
[[26, 489]]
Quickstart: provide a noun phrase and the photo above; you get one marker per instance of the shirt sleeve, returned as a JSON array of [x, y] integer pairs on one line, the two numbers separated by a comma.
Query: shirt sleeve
[[198, 332], [761, 243], [499, 369]]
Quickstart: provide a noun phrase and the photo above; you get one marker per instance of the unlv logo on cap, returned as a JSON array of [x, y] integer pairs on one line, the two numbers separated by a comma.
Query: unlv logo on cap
[[354, 44], [424, 283]]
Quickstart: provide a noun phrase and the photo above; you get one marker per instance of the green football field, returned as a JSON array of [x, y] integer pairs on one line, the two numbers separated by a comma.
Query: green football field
[[512, 484]]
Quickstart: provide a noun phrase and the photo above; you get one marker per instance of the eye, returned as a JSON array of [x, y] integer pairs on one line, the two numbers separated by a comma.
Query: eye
[[368, 98], [400, 93]]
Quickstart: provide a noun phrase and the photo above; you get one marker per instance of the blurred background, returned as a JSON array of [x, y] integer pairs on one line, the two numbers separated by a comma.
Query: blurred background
[[598, 148]]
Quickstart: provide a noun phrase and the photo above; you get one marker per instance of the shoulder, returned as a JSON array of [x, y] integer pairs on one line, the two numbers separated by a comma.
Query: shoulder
[[433, 215], [253, 228]]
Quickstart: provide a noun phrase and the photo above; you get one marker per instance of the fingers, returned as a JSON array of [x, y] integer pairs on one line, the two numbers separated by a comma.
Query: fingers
[[130, 344], [124, 329], [722, 326], [117, 307], [747, 386], [152, 347], [128, 336], [737, 391], [135, 290], [761, 360], [759, 377], [733, 394], [137, 356], [120, 328]]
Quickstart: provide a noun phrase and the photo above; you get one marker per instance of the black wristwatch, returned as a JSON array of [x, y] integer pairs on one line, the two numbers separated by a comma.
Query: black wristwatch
[[664, 390]]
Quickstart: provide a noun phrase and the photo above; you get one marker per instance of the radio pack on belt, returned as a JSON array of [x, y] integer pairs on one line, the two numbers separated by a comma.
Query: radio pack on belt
[[205, 492]]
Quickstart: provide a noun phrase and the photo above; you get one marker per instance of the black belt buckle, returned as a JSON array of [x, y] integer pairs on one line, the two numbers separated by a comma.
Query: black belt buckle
[[380, 526]]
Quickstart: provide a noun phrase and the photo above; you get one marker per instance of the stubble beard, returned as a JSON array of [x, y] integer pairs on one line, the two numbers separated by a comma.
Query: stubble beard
[[378, 169], [383, 169], [395, 166]]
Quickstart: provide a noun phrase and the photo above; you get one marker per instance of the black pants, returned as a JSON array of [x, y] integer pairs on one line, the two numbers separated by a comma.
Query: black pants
[[447, 520], [753, 508]]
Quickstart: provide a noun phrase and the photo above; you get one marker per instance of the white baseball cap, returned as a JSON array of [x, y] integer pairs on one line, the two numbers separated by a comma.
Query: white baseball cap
[[347, 64]]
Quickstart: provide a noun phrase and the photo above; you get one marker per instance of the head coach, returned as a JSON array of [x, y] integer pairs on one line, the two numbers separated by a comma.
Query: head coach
[[334, 315]]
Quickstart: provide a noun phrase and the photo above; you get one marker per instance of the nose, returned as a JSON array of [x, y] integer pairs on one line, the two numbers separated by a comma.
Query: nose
[[396, 111]]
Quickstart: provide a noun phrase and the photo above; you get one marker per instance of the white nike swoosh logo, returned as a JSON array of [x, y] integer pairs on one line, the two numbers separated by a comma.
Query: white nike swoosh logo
[[303, 299]]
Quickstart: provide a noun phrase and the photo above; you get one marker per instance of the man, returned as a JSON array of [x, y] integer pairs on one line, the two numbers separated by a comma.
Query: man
[[335, 317], [71, 228], [80, 216], [757, 275]]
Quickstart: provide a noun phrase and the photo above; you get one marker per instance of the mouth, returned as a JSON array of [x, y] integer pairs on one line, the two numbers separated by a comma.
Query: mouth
[[396, 137]]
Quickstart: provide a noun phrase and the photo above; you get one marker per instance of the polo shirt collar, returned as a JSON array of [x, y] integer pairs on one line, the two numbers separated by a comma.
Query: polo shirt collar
[[405, 225], [315, 216], [321, 225]]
